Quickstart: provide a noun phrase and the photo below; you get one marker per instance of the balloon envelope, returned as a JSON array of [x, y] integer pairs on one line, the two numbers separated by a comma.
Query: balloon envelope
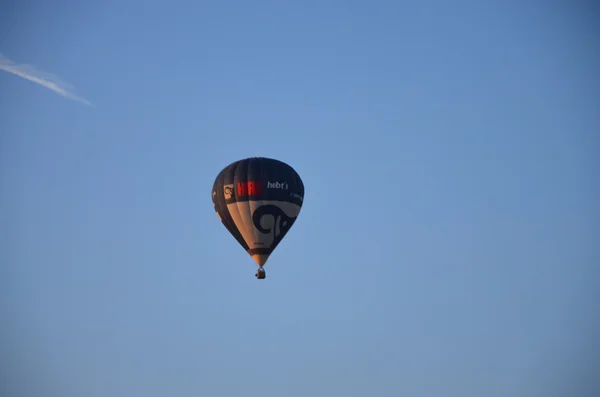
[[258, 200]]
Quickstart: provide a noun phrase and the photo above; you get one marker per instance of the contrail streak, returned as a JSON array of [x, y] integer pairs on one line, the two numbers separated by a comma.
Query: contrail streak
[[44, 79]]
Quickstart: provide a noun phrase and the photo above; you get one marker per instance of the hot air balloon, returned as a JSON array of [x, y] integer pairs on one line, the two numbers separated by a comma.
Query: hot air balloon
[[258, 200]]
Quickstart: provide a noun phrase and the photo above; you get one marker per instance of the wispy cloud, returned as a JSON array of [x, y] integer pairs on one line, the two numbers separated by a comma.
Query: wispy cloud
[[42, 78]]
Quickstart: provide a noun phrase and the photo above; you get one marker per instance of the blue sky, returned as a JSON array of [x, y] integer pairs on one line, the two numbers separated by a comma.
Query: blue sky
[[448, 241]]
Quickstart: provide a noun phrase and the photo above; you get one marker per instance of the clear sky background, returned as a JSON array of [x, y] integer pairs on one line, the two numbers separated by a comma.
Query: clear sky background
[[448, 244]]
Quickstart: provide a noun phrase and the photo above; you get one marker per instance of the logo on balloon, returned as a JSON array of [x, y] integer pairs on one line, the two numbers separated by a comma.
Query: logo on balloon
[[228, 192], [279, 225]]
